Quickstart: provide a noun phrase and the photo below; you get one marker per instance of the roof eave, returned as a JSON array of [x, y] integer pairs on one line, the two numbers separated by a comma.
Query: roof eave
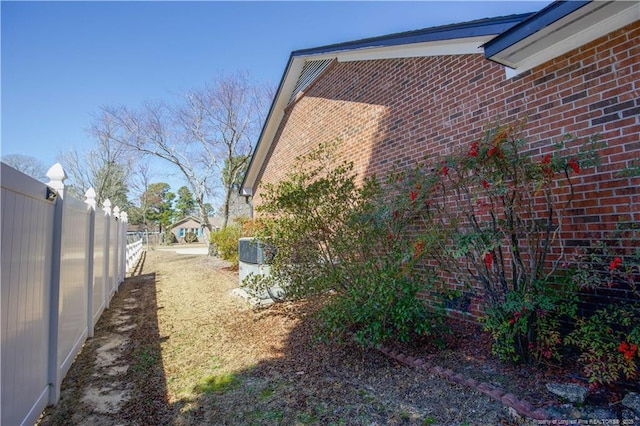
[[276, 111], [557, 29], [531, 25], [449, 39], [480, 27]]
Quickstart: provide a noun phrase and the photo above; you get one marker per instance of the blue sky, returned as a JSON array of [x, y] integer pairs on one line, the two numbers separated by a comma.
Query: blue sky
[[62, 61]]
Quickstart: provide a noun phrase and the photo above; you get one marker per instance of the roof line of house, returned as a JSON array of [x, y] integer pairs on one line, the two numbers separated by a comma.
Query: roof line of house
[[186, 219], [533, 23], [557, 29], [466, 30], [518, 42], [478, 27]]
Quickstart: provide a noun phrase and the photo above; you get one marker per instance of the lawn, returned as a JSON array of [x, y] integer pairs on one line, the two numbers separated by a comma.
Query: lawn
[[188, 352]]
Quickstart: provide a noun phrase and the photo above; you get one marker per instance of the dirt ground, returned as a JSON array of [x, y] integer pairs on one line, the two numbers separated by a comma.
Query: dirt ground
[[177, 348]]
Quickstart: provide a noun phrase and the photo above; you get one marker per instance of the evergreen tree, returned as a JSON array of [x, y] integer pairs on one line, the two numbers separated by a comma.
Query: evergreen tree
[[159, 201], [185, 204]]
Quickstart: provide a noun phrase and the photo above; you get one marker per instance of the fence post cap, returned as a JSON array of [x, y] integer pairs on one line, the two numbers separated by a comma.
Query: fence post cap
[[90, 196], [106, 206], [116, 212], [57, 177], [56, 173]]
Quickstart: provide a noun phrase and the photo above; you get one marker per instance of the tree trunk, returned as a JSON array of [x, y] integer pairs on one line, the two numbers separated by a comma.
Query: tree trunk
[[212, 250], [225, 208]]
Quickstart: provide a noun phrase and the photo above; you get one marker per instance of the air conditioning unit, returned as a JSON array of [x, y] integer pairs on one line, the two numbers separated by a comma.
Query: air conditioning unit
[[252, 251], [254, 257]]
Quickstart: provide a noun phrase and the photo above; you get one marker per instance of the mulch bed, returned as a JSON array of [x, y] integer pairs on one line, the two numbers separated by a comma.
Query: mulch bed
[[467, 350]]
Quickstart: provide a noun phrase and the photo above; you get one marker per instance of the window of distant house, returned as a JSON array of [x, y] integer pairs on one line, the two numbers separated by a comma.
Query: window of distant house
[[181, 232]]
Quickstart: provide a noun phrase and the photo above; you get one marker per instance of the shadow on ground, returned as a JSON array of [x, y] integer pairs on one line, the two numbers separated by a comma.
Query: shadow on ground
[[270, 370], [309, 382], [118, 377]]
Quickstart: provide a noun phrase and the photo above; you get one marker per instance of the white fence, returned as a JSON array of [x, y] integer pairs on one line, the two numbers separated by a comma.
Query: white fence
[[62, 261]]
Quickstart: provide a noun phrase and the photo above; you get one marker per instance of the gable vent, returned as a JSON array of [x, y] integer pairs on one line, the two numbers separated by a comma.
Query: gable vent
[[310, 71]]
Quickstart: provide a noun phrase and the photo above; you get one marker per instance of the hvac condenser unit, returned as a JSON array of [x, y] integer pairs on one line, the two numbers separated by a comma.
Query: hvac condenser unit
[[251, 257], [254, 258]]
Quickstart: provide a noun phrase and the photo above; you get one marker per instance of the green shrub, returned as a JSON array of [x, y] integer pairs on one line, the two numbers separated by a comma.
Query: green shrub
[[498, 212], [608, 342], [526, 326], [226, 242], [169, 237], [383, 307], [190, 237], [349, 243]]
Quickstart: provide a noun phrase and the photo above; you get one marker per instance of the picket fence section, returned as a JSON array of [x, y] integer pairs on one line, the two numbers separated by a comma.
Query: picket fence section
[[62, 261]]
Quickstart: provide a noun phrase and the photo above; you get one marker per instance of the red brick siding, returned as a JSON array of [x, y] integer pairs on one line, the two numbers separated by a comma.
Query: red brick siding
[[387, 112]]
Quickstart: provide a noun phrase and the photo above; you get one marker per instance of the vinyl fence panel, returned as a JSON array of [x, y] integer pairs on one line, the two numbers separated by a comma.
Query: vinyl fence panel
[[26, 229], [60, 265], [72, 309], [133, 253], [100, 266]]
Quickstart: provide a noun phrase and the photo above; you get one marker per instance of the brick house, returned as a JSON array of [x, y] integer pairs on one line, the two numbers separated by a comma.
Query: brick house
[[573, 67]]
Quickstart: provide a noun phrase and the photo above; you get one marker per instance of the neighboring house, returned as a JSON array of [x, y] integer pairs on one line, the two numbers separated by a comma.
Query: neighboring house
[[238, 208], [192, 224], [573, 67]]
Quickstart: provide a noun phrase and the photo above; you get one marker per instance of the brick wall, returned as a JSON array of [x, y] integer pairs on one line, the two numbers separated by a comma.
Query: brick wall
[[388, 112]]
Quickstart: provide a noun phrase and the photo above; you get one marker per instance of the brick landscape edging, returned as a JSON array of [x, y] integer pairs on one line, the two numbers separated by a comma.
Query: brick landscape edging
[[522, 407]]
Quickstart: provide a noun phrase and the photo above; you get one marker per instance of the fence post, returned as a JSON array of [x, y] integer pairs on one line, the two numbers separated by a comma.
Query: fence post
[[90, 196], [56, 177], [106, 207], [116, 248], [123, 258]]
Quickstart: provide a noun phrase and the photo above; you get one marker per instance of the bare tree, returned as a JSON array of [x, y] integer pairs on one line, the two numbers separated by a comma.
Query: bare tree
[[26, 164], [235, 204], [199, 136], [224, 119], [105, 167], [152, 131], [139, 185]]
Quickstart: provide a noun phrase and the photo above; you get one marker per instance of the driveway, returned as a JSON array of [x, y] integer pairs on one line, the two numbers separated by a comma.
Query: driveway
[[185, 249]]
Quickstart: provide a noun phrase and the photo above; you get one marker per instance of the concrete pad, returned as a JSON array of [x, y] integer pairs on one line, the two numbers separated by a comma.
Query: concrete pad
[[253, 301]]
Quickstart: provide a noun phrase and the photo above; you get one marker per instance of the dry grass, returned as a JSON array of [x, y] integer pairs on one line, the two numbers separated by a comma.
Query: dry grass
[[199, 355]]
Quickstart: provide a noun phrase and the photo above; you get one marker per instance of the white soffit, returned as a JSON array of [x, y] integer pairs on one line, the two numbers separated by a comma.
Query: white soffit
[[305, 66], [586, 24], [310, 71], [471, 45], [282, 98], [291, 86]]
